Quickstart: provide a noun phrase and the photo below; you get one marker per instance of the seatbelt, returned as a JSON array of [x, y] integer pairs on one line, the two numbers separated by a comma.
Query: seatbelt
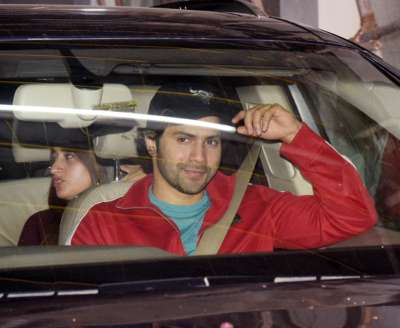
[[213, 237]]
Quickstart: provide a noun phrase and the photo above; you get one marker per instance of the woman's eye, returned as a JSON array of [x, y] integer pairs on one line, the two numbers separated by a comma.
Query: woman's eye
[[69, 155]]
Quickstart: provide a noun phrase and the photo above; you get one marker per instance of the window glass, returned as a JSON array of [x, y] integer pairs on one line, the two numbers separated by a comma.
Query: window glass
[[88, 108], [43, 64]]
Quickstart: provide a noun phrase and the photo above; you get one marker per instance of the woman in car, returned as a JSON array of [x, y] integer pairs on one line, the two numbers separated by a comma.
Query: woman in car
[[72, 173]]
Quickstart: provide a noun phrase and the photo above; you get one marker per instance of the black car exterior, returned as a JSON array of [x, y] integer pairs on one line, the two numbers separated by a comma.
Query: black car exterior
[[350, 286]]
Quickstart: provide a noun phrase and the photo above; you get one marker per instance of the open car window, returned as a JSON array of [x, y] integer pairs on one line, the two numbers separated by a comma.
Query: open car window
[[96, 100]]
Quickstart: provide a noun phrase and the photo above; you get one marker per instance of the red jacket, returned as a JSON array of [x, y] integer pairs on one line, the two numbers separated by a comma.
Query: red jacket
[[268, 219]]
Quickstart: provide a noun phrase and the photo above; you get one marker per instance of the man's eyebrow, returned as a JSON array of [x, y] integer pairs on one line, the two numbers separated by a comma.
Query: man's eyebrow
[[214, 136], [191, 135], [183, 133]]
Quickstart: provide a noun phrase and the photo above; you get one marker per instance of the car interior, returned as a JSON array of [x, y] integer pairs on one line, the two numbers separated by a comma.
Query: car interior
[[25, 178], [23, 197]]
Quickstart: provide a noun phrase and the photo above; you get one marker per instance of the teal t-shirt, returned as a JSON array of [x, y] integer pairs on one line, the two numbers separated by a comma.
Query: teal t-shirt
[[188, 218]]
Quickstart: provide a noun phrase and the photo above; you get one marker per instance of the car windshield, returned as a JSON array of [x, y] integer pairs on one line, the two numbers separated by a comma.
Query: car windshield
[[135, 146]]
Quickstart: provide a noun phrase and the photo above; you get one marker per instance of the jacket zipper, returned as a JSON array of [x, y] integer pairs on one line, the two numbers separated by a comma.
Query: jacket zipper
[[169, 221]]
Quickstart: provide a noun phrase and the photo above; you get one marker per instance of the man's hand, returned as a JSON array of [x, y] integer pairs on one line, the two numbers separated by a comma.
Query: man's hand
[[269, 122]]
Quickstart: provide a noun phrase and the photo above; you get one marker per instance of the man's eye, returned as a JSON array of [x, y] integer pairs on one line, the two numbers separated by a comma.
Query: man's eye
[[213, 142], [183, 139]]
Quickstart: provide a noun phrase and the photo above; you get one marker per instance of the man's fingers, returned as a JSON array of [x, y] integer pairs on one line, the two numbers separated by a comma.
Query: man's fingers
[[242, 130], [257, 119], [267, 118], [253, 120], [269, 122], [248, 122], [239, 116]]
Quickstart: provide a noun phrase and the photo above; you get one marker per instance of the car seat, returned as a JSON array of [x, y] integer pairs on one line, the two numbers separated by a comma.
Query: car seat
[[286, 177], [19, 200], [24, 197], [115, 146]]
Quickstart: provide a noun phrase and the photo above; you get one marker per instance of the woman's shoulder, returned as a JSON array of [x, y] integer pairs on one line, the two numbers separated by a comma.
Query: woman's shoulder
[[40, 217], [34, 228]]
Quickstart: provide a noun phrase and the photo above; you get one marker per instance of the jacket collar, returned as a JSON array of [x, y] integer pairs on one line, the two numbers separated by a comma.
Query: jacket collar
[[220, 191], [137, 195]]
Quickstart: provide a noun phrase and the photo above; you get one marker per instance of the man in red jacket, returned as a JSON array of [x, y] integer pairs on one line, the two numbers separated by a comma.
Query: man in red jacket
[[186, 193]]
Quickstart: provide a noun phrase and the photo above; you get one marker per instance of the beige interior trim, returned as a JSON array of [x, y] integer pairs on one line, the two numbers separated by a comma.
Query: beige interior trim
[[19, 199], [367, 97]]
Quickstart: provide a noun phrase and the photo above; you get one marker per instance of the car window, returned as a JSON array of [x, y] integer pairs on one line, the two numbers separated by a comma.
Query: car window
[[90, 104]]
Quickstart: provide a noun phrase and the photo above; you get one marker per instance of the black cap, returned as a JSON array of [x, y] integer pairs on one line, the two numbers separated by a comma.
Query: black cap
[[193, 100]]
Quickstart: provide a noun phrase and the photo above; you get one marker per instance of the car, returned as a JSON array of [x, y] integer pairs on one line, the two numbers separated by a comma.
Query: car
[[78, 79]]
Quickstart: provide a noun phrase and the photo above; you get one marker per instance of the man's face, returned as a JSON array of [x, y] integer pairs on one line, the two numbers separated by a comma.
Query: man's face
[[188, 157]]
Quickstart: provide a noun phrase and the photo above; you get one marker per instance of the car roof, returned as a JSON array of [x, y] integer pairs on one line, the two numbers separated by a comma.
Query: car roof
[[55, 22]]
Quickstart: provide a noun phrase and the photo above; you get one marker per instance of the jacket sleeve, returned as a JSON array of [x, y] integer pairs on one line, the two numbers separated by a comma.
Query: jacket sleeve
[[340, 207]]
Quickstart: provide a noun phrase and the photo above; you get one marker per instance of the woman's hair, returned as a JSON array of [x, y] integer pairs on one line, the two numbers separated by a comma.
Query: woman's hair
[[96, 171]]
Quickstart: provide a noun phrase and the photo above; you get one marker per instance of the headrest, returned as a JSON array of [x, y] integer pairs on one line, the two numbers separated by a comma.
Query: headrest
[[123, 145]]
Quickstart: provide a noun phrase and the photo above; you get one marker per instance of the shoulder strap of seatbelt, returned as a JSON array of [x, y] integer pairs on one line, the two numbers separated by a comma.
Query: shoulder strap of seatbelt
[[213, 237]]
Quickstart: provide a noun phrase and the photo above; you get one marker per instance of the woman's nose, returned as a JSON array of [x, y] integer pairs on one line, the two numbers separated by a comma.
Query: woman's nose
[[57, 166]]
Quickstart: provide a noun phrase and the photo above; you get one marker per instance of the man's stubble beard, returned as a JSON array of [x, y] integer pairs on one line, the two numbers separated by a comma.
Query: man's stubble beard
[[175, 177]]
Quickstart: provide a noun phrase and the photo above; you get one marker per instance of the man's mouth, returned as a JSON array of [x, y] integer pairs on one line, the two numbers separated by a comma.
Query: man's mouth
[[195, 173]]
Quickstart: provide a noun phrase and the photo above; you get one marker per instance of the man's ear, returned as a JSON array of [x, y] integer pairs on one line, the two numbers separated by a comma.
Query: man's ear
[[151, 145]]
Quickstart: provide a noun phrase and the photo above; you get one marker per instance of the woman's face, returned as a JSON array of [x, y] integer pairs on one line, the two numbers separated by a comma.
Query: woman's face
[[70, 176]]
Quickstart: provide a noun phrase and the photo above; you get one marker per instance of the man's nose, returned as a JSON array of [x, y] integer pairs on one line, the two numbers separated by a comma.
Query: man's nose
[[198, 152]]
